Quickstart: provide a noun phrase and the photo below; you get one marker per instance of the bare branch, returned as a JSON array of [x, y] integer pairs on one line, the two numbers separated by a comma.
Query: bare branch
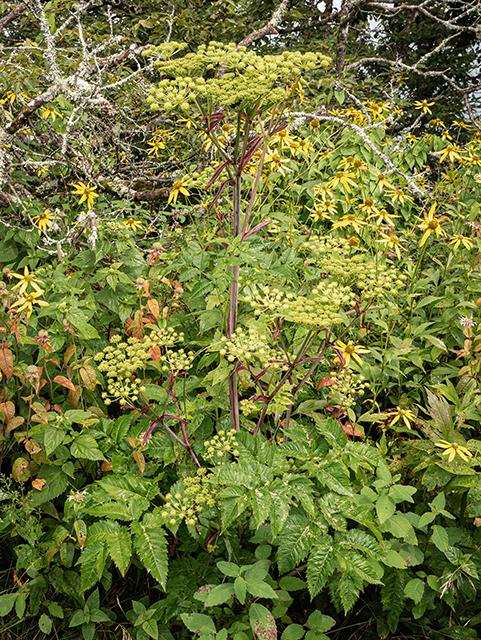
[[12, 15]]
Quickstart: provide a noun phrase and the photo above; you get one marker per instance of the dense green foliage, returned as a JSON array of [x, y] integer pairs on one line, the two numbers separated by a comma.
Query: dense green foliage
[[239, 355]]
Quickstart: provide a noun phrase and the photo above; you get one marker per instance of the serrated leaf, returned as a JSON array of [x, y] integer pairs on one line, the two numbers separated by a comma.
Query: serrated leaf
[[394, 559], [120, 548], [400, 527], [296, 541], [45, 623], [56, 483], [6, 362], [262, 623], [392, 596], [261, 506], [198, 623], [439, 537], [279, 513], [426, 519], [291, 583], [7, 602], [414, 589], [349, 588], [92, 563], [293, 632], [319, 622], [151, 546], [319, 567], [228, 568], [385, 508], [260, 589], [85, 446], [52, 438], [219, 594], [240, 589]]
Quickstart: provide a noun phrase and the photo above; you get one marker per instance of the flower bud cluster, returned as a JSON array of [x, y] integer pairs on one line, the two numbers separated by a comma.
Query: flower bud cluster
[[251, 346], [346, 385], [317, 310], [359, 271], [174, 361], [247, 80], [119, 361], [220, 445], [189, 502]]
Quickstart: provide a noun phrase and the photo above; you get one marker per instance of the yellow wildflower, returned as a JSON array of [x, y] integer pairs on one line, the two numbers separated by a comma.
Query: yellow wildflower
[[368, 206], [349, 220], [453, 448], [132, 224], [157, 145], [350, 350], [406, 415], [43, 220], [392, 241], [456, 240], [177, 187], [344, 178], [50, 112], [424, 105], [86, 192], [383, 216], [431, 225], [26, 279], [382, 181], [397, 195], [452, 151], [28, 300]]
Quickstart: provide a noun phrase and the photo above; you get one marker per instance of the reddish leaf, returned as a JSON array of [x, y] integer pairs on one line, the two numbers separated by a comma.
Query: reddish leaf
[[69, 351], [41, 414], [140, 460], [88, 376], [65, 382], [8, 410], [155, 353], [106, 466], [14, 423], [74, 396], [351, 431], [325, 382], [6, 362], [153, 307]]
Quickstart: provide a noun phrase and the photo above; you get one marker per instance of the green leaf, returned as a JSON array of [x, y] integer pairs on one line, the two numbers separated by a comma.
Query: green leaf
[[228, 568], [154, 392], [77, 619], [260, 589], [385, 508], [85, 446], [56, 483], [263, 624], [439, 537], [20, 605], [45, 623], [257, 571], [426, 519], [240, 589], [293, 632], [88, 630], [52, 438], [439, 502], [319, 567], [317, 621], [198, 623], [55, 610], [392, 596], [350, 585], [400, 493], [219, 594], [117, 510], [120, 548], [400, 527], [150, 627], [394, 559], [92, 563], [414, 589], [6, 603], [291, 583], [151, 546], [296, 541]]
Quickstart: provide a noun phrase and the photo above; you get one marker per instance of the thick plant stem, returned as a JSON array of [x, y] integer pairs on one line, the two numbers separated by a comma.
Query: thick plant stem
[[233, 305]]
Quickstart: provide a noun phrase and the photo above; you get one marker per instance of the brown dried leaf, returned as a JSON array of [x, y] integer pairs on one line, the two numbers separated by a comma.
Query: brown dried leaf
[[6, 362], [153, 307], [38, 483]]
